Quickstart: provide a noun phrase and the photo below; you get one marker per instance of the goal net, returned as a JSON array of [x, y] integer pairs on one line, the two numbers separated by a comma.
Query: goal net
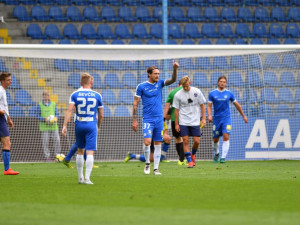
[[264, 80]]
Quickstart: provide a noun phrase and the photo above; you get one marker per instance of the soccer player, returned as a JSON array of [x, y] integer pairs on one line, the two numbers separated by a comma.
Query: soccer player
[[151, 94], [187, 103], [220, 98], [5, 79], [87, 103]]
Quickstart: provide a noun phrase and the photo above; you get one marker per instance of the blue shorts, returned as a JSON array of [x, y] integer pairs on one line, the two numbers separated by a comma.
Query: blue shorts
[[221, 127], [86, 135], [192, 131], [4, 132], [153, 128]]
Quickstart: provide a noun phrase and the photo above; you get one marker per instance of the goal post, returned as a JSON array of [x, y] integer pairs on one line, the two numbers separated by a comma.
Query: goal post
[[264, 79]]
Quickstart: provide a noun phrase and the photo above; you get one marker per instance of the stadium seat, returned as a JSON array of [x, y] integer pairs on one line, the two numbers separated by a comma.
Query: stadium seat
[[260, 30], [135, 42], [148, 63], [283, 110], [261, 15], [285, 95], [222, 41], [74, 14], [65, 42], [109, 97], [257, 41], [191, 31], [132, 64], [98, 65], [282, 2], [91, 14], [208, 30], [126, 15], [276, 30], [39, 14], [107, 111], [287, 79], [245, 15], [253, 79], [297, 110], [116, 65], [17, 111], [211, 14], [62, 2], [45, 2], [177, 15], [74, 80], [81, 65], [214, 78], [278, 14], [62, 65], [237, 95], [79, 2], [20, 12], [100, 42], [215, 2], [199, 3], [96, 2], [111, 80], [238, 61], [268, 96], [205, 41], [33, 111], [235, 80], [129, 80], [130, 2], [109, 15], [200, 80], [97, 81], [122, 31], [122, 111], [265, 2], [194, 14], [114, 2], [233, 2], [143, 77], [297, 97], [140, 31], [290, 41], [105, 32], [186, 63], [82, 42], [23, 98], [125, 96], [255, 61], [14, 83], [295, 2], [35, 32], [187, 42], [148, 2], [270, 79], [243, 31], [250, 96], [292, 30], [289, 61], [265, 110], [2, 66], [55, 13], [174, 31], [143, 14], [156, 30], [228, 14], [294, 14], [117, 42], [220, 62], [271, 61], [239, 41], [203, 63], [225, 31], [157, 14], [273, 41], [71, 32], [153, 42], [181, 3], [52, 32], [47, 42]]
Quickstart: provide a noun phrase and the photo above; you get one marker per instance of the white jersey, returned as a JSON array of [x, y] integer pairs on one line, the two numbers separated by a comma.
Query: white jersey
[[3, 101], [188, 103]]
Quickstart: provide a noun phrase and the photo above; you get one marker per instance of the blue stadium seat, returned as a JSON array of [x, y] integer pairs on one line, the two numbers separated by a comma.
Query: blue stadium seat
[[238, 61], [265, 110], [148, 63], [71, 32], [278, 14], [292, 30], [20, 12], [265, 2], [174, 31], [91, 14], [208, 30], [290, 41], [200, 80], [74, 14], [109, 14], [107, 111], [181, 3], [81, 65], [211, 14], [215, 2], [97, 81], [122, 31], [35, 32], [225, 31], [233, 2], [80, 2], [117, 42], [132, 64], [116, 65], [283, 110], [52, 32], [289, 61], [235, 80], [261, 15], [126, 15], [199, 3], [97, 2], [255, 61], [111, 80], [135, 42], [27, 2], [282, 2], [222, 41], [100, 42], [243, 31], [122, 111], [156, 30], [287, 79], [177, 15], [253, 79], [3, 68], [14, 83], [294, 14], [273, 41], [39, 14], [114, 2], [220, 62], [245, 15], [186, 63], [98, 65], [203, 63], [10, 2], [267, 95], [104, 31], [47, 42], [109, 97], [23, 98], [205, 41], [276, 30], [140, 31], [143, 77], [257, 41], [237, 95], [285, 95], [157, 14], [296, 110], [62, 2], [55, 13], [272, 61], [142, 13], [194, 14], [17, 111], [74, 80], [228, 14], [62, 65], [125, 96], [191, 31], [260, 30], [297, 97], [33, 111], [65, 42], [295, 2], [153, 42], [149, 2], [129, 80], [239, 41], [187, 42], [250, 96], [131, 2], [270, 79], [214, 78]]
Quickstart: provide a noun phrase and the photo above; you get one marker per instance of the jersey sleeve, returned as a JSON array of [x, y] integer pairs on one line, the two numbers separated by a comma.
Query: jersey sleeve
[[170, 98], [72, 99], [138, 91], [210, 99], [100, 103], [162, 83], [176, 101], [232, 98]]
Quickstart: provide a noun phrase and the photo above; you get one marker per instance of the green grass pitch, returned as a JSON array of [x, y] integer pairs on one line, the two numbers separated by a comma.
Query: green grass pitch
[[250, 192]]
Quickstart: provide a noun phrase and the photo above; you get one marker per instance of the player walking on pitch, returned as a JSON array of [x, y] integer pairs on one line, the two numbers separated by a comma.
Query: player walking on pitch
[[151, 94]]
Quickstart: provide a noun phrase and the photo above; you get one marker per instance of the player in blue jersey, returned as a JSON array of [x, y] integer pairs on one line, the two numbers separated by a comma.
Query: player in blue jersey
[[151, 94], [220, 98], [88, 104]]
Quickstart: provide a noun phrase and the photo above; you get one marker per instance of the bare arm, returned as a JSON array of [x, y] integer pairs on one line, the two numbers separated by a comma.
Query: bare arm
[[100, 117], [203, 121], [67, 119], [166, 109], [239, 108], [176, 114], [209, 105], [136, 101], [174, 74]]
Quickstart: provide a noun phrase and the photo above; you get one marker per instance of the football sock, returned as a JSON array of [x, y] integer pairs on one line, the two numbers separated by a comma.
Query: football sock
[[225, 148], [215, 147], [157, 154], [6, 158], [146, 150], [164, 151], [141, 158], [89, 166], [194, 151], [72, 151], [188, 156], [84, 155], [180, 152], [79, 164]]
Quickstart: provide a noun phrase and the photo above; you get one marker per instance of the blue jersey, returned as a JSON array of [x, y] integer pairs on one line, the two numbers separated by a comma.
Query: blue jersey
[[151, 95], [87, 103], [220, 101]]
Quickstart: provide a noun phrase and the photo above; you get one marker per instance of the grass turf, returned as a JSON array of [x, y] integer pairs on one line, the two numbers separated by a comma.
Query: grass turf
[[251, 192]]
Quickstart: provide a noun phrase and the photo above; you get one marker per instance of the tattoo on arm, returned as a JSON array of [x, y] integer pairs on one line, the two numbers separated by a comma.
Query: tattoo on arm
[[135, 107], [171, 80]]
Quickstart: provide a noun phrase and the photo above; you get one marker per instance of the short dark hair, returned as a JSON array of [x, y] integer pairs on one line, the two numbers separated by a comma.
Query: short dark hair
[[3, 75], [150, 69], [222, 77]]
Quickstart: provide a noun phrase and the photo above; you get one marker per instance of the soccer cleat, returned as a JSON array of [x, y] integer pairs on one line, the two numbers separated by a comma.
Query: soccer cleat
[[216, 158], [80, 181], [179, 163], [191, 165], [222, 160], [127, 158], [147, 169], [193, 159], [88, 182], [10, 172], [68, 164], [95, 167], [156, 172]]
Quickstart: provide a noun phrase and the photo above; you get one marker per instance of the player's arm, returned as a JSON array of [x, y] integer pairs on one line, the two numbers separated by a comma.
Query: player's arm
[[67, 119], [239, 108], [172, 79], [176, 114], [209, 110], [166, 109], [136, 101], [100, 117], [203, 121]]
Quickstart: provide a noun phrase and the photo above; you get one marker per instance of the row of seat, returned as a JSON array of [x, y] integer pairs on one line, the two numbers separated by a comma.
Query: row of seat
[[142, 13]]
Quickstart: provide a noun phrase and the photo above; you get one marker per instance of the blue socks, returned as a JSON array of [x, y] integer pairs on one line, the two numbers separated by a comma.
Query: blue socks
[[72, 151], [165, 148], [6, 158], [188, 156], [194, 151]]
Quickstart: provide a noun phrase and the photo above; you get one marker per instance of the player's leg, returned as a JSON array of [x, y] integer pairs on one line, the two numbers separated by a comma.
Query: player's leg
[[157, 138], [80, 141], [56, 141], [217, 132], [184, 133], [90, 147], [196, 133], [165, 146], [45, 142], [148, 126], [71, 152], [130, 156], [6, 156], [179, 144], [226, 129], [215, 147]]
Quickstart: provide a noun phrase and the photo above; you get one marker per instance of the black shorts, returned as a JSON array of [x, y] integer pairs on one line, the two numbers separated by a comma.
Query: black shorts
[[174, 132]]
